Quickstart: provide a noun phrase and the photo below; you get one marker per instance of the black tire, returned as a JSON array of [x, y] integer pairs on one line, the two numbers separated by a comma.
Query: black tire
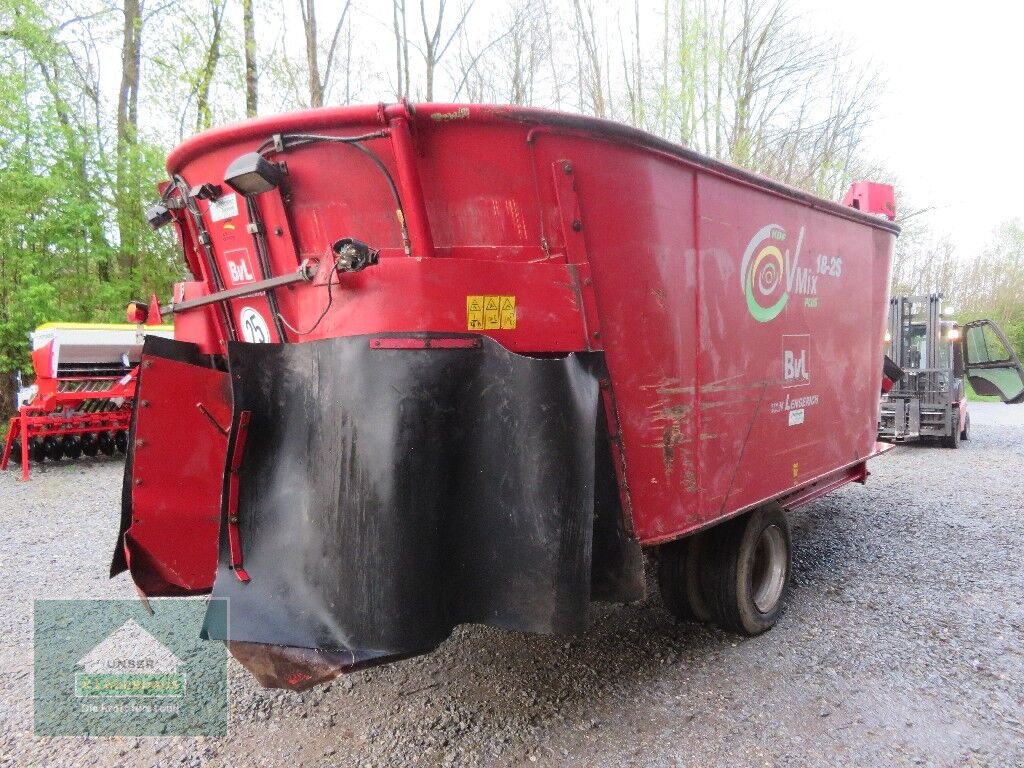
[[14, 459], [747, 569], [90, 447], [953, 440], [679, 565], [966, 434], [72, 446], [105, 442], [121, 441], [37, 450], [54, 448]]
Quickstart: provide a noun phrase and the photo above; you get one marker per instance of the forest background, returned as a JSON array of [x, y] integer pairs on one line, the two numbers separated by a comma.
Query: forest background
[[96, 92]]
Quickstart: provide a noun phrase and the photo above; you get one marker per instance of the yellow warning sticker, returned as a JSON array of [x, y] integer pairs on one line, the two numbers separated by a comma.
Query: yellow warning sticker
[[475, 313], [490, 313], [507, 308], [492, 316]]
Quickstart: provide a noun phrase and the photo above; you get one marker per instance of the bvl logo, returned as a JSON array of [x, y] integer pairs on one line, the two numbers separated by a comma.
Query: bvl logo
[[795, 360], [239, 267]]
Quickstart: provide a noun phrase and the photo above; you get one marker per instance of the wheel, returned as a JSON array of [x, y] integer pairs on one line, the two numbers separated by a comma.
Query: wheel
[[72, 446], [121, 441], [679, 578], [746, 570], [966, 433], [953, 439], [105, 443], [54, 448], [14, 460], [90, 447], [37, 450]]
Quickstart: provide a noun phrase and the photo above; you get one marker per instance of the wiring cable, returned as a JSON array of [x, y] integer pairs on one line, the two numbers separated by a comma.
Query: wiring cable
[[298, 140], [204, 240], [323, 314]]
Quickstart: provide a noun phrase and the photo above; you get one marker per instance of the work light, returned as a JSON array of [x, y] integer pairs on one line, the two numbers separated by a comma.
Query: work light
[[252, 174]]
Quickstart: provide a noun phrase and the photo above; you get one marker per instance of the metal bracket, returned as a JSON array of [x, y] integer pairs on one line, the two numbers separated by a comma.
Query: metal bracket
[[234, 534], [569, 211], [306, 272]]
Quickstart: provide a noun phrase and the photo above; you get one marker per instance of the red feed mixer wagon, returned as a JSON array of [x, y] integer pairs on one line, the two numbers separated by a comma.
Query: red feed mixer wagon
[[80, 402], [445, 364]]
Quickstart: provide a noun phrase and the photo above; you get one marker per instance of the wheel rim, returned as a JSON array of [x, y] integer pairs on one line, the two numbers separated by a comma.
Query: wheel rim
[[768, 575]]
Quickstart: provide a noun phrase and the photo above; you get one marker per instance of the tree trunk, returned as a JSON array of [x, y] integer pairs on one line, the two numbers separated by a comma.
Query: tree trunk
[[430, 45], [405, 51], [318, 84], [204, 115], [127, 126], [251, 81], [434, 43], [398, 7], [590, 59], [316, 89], [131, 53]]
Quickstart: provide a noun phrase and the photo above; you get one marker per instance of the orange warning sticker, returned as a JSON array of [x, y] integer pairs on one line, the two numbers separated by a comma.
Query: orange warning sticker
[[490, 313]]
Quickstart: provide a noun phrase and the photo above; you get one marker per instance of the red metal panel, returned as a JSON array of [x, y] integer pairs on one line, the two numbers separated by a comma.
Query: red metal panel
[[42, 361], [814, 281], [176, 476], [740, 320], [199, 327]]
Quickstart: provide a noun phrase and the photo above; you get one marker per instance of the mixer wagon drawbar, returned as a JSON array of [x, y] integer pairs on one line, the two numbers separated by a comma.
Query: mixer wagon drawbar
[[445, 364]]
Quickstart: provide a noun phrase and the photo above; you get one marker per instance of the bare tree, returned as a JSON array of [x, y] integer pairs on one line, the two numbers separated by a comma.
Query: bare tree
[[743, 81], [401, 49], [632, 70], [526, 47], [251, 77], [318, 84], [556, 82], [436, 41], [591, 82], [509, 58]]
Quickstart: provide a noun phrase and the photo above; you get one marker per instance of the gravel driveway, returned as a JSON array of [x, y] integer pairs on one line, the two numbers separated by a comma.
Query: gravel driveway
[[903, 643]]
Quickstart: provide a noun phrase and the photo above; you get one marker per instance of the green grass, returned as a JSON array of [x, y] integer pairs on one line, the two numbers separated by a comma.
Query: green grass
[[974, 397]]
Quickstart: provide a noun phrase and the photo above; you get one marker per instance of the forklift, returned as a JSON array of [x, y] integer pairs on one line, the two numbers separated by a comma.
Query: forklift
[[929, 354]]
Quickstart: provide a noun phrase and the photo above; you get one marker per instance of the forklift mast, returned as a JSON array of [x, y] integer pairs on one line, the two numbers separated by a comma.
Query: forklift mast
[[928, 400], [917, 336], [932, 356]]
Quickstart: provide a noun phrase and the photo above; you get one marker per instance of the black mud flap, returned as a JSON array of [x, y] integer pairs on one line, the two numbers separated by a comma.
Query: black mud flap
[[390, 489]]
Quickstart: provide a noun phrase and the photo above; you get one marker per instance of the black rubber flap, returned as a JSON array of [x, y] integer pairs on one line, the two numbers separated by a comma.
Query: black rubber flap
[[387, 495]]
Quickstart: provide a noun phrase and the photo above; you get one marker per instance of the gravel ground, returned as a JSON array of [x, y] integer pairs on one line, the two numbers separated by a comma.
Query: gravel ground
[[901, 645]]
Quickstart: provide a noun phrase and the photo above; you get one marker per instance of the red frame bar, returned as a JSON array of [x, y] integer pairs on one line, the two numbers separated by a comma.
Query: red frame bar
[[408, 342], [420, 239], [27, 425], [234, 534]]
